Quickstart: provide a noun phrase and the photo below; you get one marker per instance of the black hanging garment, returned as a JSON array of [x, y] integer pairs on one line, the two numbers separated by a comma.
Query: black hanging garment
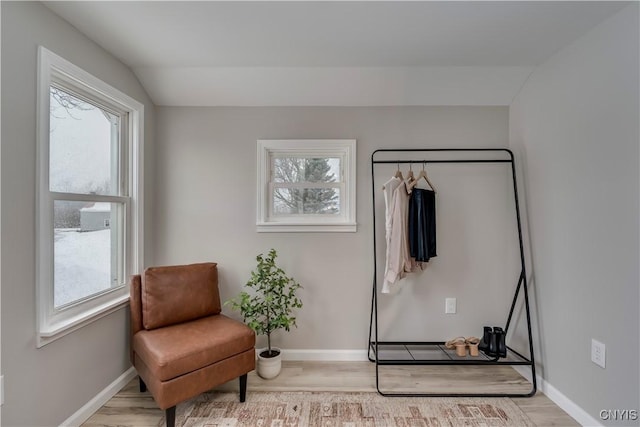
[[422, 224]]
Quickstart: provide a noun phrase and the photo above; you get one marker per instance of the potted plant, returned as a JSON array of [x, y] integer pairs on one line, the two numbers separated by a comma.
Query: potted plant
[[268, 307]]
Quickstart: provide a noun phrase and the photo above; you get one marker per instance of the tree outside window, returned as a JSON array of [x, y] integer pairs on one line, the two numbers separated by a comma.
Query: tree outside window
[[322, 201]]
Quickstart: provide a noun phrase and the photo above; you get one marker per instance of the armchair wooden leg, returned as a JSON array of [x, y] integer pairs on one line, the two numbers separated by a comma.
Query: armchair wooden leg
[[143, 386], [170, 415], [243, 387]]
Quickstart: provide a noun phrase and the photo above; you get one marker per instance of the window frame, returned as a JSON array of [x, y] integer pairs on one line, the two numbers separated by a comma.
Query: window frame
[[54, 323], [268, 149]]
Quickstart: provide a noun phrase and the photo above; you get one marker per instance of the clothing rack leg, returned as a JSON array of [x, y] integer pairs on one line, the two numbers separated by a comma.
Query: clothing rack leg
[[374, 298], [523, 276], [534, 381]]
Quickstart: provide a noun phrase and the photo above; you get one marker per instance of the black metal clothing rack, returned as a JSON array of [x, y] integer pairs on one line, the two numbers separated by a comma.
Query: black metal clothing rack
[[443, 355]]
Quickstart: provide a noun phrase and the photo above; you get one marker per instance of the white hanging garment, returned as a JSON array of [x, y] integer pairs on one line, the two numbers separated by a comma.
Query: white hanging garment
[[388, 189], [399, 261]]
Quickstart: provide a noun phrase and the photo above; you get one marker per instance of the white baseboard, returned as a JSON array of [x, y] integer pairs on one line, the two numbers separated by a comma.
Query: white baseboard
[[325, 355], [566, 404], [83, 414]]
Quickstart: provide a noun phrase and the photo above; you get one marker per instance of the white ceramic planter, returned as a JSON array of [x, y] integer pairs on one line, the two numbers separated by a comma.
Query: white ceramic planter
[[269, 367]]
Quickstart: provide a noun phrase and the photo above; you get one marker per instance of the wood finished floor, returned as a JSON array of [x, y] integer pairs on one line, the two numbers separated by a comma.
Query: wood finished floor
[[132, 408]]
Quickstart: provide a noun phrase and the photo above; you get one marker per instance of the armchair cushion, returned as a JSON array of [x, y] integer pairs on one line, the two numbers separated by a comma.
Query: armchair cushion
[[176, 294], [179, 349]]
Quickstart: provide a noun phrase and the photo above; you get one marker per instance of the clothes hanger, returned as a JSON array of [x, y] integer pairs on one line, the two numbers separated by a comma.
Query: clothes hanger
[[398, 173], [422, 174], [410, 177]]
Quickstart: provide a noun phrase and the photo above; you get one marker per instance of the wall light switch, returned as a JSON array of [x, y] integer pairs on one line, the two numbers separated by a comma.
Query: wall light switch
[[598, 353], [450, 306]]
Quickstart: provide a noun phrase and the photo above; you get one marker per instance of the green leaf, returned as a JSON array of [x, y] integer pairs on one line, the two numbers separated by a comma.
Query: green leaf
[[271, 304]]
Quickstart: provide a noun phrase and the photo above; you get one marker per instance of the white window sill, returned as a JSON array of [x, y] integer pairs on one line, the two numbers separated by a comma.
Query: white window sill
[[53, 331], [276, 227]]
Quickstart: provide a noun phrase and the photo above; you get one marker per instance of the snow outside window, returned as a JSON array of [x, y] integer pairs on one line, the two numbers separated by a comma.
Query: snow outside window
[[306, 185], [89, 227]]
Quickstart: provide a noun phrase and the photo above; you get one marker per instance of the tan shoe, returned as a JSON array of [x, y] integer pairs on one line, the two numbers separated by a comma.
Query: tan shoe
[[460, 344], [472, 343]]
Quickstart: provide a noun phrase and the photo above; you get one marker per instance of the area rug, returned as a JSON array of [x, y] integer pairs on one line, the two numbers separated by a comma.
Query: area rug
[[323, 409]]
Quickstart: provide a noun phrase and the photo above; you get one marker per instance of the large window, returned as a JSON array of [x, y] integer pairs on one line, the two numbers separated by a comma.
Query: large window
[[306, 185], [89, 206]]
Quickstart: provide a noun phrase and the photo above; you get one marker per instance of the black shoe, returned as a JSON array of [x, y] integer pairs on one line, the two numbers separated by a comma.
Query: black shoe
[[492, 350], [501, 347], [486, 338]]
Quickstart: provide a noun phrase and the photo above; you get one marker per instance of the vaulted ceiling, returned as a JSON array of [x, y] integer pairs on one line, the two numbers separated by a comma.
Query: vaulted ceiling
[[333, 52]]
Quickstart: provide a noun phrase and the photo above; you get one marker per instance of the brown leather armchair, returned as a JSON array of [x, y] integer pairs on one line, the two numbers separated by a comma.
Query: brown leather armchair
[[181, 345]]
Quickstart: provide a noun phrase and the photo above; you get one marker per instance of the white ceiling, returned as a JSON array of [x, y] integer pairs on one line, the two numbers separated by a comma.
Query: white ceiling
[[265, 53]]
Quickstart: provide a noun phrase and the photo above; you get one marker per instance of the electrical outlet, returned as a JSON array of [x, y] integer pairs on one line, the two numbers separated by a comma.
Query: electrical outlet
[[450, 306], [598, 353]]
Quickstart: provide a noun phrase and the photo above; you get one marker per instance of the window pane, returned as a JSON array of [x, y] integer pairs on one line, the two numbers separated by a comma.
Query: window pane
[[83, 146], [294, 201], [87, 249], [300, 169]]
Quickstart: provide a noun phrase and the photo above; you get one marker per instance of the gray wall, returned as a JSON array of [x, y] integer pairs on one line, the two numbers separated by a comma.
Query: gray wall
[[575, 124], [45, 386], [206, 210]]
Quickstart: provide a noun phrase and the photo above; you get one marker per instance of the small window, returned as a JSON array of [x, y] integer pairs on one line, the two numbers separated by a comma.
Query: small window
[[306, 185], [90, 197]]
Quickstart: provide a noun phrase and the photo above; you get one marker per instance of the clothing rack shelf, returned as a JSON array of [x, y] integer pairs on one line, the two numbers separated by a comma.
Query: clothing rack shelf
[[416, 353], [434, 352]]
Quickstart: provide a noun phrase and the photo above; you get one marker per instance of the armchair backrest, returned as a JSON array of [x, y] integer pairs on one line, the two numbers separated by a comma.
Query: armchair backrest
[[164, 296]]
